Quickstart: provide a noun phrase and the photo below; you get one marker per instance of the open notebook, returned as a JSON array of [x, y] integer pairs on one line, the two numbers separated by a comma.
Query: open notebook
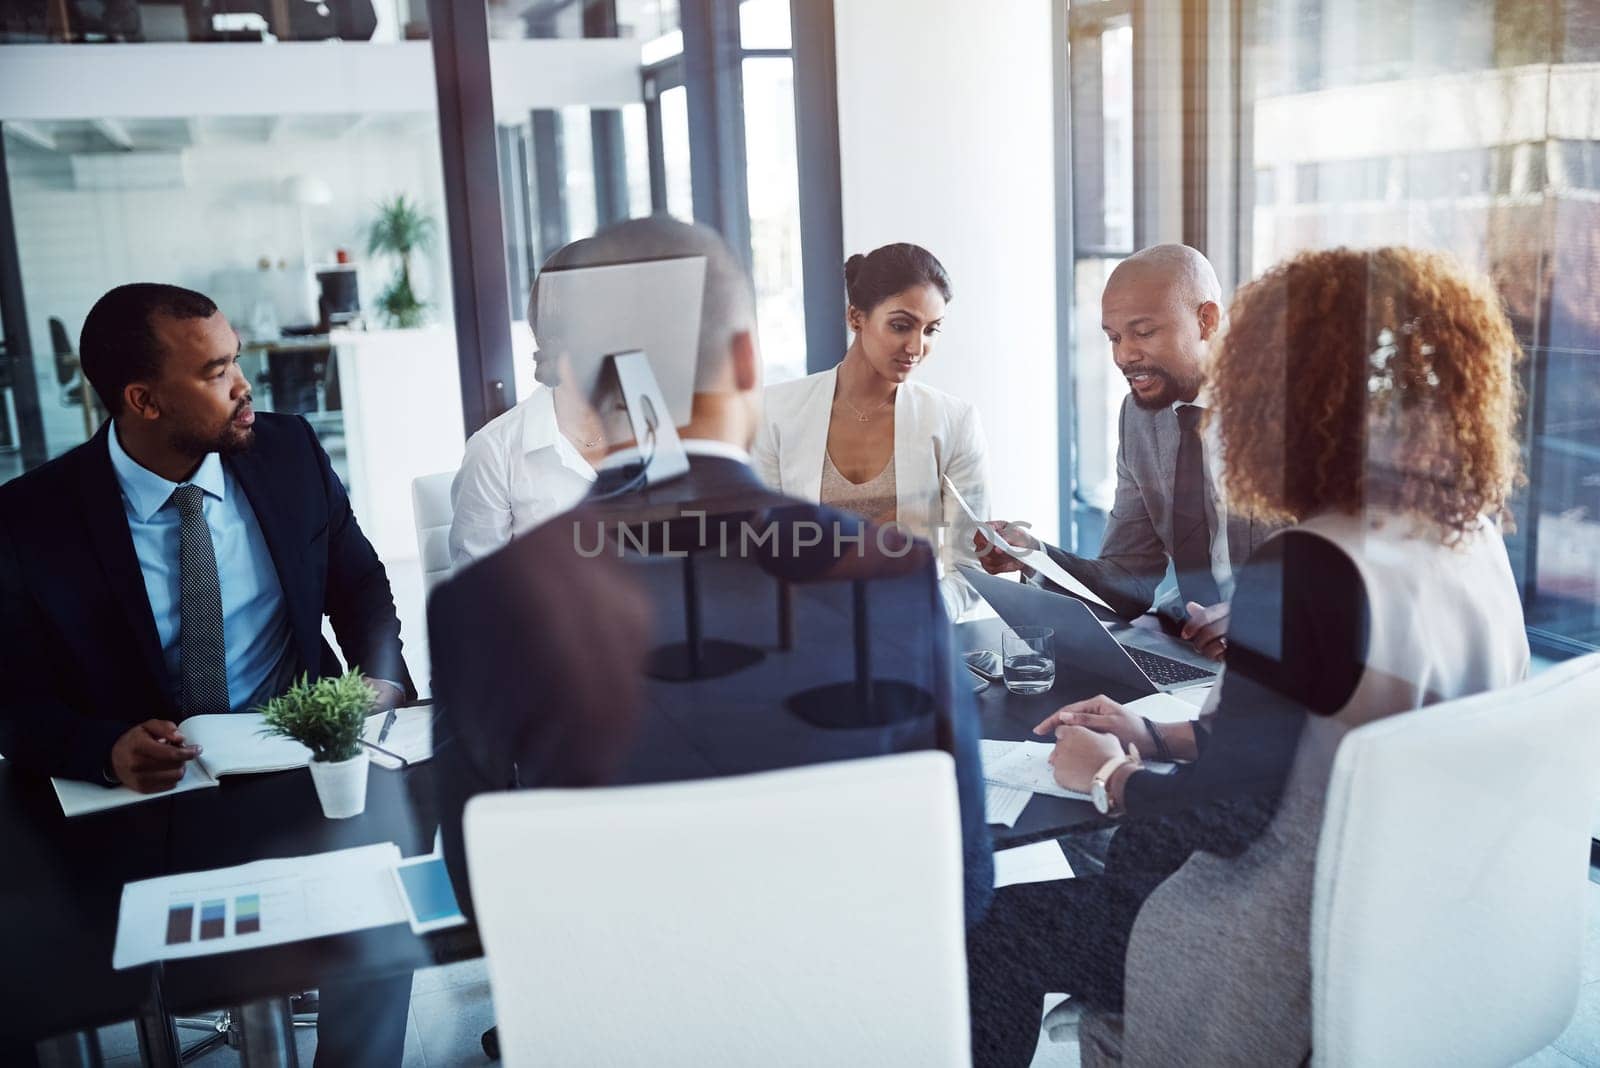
[[232, 744]]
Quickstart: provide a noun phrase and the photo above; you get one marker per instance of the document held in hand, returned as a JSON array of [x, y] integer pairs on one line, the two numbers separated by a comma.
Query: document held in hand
[[231, 744], [1037, 559]]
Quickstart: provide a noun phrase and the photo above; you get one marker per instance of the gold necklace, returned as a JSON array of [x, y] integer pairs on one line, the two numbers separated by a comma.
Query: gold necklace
[[861, 416]]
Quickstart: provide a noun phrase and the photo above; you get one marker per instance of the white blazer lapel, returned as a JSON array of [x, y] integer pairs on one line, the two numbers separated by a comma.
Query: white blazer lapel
[[917, 461], [806, 442]]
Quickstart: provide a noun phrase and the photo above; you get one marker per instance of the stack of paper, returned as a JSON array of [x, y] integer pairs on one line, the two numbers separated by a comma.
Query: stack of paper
[[1003, 804], [1026, 766]]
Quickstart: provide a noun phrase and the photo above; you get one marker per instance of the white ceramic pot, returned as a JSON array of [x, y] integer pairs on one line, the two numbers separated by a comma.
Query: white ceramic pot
[[341, 786]]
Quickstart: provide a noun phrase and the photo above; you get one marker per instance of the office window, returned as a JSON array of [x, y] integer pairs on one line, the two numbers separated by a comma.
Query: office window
[[675, 152], [773, 185], [1101, 128], [764, 24], [565, 171], [1470, 128], [1467, 127]]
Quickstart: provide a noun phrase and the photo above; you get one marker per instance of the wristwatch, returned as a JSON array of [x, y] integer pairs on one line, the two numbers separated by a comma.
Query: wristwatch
[[1098, 793]]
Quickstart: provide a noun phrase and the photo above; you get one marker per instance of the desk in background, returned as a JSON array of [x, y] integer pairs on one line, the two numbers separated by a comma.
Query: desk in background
[[300, 374]]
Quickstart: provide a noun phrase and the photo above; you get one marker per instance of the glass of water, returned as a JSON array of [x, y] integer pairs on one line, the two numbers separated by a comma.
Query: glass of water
[[1028, 657]]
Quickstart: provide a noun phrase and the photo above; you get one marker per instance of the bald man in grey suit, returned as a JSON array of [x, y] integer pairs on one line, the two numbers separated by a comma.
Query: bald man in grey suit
[[1160, 310]]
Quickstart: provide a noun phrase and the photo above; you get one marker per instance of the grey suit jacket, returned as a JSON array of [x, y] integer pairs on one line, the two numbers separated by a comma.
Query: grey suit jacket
[[1138, 542]]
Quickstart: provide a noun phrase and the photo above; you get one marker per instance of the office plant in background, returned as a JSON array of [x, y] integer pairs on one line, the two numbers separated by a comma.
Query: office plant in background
[[401, 228], [327, 717]]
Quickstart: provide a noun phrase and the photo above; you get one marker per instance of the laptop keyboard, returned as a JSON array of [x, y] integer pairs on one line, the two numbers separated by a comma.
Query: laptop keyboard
[[1165, 671]]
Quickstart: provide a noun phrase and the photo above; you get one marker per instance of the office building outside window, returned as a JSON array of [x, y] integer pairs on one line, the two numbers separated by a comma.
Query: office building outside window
[[1472, 129], [1467, 128]]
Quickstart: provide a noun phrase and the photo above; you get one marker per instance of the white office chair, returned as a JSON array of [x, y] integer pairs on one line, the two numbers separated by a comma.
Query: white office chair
[[432, 511], [1447, 916], [800, 917], [1454, 935]]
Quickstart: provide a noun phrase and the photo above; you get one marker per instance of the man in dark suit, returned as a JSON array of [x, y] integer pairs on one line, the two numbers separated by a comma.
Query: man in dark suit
[[181, 562], [780, 633]]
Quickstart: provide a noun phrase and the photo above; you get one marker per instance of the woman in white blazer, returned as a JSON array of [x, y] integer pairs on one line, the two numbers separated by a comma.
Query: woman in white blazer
[[866, 438]]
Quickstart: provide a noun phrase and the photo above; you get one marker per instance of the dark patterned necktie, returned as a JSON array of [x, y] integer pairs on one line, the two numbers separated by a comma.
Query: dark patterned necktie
[[202, 659], [1191, 534]]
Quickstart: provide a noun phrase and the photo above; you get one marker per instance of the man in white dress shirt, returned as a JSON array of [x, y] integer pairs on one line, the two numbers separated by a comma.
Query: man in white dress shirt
[[520, 469], [1161, 309]]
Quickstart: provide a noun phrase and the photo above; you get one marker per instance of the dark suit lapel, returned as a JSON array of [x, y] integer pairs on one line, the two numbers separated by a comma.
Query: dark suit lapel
[[100, 497], [273, 516]]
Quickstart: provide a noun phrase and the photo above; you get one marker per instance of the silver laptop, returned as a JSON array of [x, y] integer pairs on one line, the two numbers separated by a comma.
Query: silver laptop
[[1083, 640]]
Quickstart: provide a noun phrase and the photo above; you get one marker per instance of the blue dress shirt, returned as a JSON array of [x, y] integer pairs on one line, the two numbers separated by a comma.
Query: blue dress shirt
[[255, 623]]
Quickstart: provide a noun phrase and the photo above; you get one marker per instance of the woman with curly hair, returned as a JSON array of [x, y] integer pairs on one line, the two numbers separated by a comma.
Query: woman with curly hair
[[1369, 399]]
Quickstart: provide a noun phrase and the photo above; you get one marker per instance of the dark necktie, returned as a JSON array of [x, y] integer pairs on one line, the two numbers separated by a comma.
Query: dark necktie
[[202, 660], [1191, 534]]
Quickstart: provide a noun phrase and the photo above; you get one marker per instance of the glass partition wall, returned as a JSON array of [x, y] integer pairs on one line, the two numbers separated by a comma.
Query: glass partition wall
[[1471, 128]]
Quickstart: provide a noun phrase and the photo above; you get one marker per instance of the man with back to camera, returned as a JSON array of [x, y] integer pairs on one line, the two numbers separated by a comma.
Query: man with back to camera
[[511, 713], [1161, 309], [180, 562]]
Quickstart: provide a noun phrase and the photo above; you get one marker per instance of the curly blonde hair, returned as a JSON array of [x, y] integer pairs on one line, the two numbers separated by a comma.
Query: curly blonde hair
[[1348, 379]]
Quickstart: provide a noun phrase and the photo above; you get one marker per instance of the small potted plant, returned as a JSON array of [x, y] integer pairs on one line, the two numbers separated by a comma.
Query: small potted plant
[[327, 717], [401, 229]]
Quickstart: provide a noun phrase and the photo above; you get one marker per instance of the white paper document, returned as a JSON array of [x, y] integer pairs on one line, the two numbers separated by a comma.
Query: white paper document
[[1167, 708], [1195, 696], [1041, 862], [1026, 766], [410, 740], [264, 903], [1037, 559], [990, 750], [1003, 804], [231, 744]]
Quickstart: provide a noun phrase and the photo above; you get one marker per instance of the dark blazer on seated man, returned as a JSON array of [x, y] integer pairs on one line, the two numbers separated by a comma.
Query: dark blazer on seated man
[[90, 612], [181, 562], [537, 649], [78, 626]]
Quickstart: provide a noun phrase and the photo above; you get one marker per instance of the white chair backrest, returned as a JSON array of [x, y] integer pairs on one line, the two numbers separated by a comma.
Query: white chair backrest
[[430, 505], [1448, 915], [800, 917]]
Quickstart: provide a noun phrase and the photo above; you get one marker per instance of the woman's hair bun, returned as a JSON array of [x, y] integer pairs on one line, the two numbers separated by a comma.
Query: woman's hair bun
[[871, 279], [852, 268]]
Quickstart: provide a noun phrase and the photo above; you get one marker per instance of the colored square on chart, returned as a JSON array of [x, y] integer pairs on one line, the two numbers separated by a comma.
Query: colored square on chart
[[247, 914], [180, 924], [213, 919]]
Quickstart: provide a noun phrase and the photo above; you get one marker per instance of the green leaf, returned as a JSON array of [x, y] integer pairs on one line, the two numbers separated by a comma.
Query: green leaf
[[401, 228], [326, 716]]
